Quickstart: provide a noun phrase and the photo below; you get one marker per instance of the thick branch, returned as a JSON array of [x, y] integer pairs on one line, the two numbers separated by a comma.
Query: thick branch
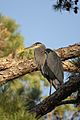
[[48, 104], [69, 52], [13, 68], [70, 67], [17, 69]]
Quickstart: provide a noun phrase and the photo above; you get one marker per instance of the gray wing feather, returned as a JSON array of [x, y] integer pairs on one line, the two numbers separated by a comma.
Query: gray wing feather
[[55, 64]]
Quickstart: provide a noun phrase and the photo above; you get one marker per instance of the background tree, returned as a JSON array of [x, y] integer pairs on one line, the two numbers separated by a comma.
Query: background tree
[[10, 38], [11, 42]]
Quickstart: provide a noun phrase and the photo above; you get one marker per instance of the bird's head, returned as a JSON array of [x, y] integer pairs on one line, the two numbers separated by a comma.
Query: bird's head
[[39, 53], [36, 45]]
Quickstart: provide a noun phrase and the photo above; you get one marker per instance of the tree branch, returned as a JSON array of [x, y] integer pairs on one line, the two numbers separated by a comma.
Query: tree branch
[[48, 104], [70, 66], [17, 69], [13, 68], [69, 52], [74, 101]]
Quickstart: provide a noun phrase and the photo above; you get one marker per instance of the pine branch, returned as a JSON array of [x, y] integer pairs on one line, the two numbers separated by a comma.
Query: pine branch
[[70, 66], [72, 51], [11, 68], [56, 99], [74, 101]]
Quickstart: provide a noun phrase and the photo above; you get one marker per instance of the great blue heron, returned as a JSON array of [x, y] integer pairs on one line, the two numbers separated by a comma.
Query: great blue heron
[[49, 63]]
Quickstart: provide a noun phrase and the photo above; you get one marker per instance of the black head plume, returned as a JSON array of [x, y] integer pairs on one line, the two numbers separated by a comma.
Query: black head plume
[[48, 50]]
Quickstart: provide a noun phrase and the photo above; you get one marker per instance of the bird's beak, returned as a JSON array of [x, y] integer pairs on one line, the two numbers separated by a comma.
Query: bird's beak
[[31, 47]]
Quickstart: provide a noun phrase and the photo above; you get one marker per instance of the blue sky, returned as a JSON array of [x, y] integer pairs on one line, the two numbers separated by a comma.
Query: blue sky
[[39, 22]]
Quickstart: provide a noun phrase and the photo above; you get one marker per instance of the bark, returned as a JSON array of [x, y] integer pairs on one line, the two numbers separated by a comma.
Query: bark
[[48, 104], [69, 66], [13, 68], [69, 52]]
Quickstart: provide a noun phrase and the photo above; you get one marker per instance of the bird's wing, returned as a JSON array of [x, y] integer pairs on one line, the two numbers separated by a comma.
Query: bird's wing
[[55, 65]]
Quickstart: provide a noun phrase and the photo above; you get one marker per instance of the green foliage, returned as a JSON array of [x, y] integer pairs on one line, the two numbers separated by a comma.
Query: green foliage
[[11, 39], [8, 23], [26, 54], [12, 107], [63, 108], [32, 97], [12, 94]]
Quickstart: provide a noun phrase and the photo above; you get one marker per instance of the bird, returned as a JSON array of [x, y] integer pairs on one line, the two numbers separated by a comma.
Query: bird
[[49, 63]]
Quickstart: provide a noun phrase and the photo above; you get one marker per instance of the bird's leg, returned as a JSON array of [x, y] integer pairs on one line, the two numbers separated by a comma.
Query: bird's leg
[[50, 87]]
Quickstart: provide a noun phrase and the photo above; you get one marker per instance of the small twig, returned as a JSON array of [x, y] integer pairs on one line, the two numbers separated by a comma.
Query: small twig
[[74, 101]]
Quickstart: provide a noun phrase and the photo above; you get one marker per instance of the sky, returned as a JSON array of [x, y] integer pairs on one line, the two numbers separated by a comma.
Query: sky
[[39, 22]]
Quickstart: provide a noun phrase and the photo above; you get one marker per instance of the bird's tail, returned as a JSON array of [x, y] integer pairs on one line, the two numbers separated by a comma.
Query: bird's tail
[[56, 84]]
